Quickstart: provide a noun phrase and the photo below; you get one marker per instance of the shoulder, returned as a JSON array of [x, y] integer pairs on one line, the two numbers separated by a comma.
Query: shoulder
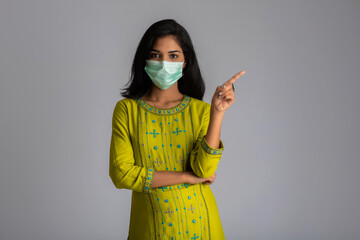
[[125, 105], [199, 105], [199, 109], [125, 102]]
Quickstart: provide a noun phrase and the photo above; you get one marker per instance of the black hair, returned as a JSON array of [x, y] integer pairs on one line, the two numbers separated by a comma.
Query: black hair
[[191, 83]]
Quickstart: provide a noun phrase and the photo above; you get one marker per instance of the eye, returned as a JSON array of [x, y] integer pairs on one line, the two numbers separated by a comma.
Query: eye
[[154, 55], [173, 56]]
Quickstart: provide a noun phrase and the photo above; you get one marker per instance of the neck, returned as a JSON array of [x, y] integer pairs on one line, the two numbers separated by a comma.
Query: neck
[[163, 96]]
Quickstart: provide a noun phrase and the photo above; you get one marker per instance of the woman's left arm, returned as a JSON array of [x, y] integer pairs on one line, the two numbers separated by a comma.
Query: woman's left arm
[[222, 99], [208, 148]]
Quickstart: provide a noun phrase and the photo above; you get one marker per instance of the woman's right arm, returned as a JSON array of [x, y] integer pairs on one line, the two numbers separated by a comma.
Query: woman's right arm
[[167, 178]]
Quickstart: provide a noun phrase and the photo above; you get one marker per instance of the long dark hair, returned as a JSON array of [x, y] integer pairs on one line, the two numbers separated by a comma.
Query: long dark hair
[[191, 83]]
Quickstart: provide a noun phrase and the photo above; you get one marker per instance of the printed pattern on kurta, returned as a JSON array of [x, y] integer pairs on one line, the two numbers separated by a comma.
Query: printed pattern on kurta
[[146, 139]]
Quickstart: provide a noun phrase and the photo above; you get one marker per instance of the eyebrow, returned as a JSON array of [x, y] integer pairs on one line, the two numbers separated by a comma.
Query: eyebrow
[[168, 52]]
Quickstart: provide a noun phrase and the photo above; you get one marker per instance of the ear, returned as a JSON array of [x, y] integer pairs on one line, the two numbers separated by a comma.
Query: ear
[[184, 64]]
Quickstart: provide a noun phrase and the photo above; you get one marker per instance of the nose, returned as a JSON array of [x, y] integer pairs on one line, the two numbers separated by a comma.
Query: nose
[[165, 58]]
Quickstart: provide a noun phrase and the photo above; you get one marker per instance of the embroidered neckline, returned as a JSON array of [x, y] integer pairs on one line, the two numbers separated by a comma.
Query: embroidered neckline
[[165, 111]]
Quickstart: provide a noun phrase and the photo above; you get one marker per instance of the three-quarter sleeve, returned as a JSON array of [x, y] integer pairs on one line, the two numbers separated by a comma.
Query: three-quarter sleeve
[[122, 169], [203, 158]]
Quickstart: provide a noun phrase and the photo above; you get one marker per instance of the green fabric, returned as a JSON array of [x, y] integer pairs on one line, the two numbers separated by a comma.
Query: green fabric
[[147, 139]]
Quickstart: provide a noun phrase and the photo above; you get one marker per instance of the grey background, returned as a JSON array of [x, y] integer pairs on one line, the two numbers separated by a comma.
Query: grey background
[[292, 138]]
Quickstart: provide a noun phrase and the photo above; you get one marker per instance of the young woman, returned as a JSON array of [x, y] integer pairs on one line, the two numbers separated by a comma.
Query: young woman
[[165, 143]]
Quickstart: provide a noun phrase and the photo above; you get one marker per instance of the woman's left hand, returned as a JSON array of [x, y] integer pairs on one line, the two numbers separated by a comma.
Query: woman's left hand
[[224, 95]]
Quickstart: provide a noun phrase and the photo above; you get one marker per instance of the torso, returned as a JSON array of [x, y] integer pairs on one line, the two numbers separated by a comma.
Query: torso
[[163, 138]]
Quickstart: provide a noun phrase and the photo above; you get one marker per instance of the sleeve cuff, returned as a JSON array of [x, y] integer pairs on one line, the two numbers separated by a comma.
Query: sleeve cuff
[[148, 179], [210, 150]]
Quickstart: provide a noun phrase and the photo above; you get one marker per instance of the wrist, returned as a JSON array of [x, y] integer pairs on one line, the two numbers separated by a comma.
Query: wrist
[[216, 113]]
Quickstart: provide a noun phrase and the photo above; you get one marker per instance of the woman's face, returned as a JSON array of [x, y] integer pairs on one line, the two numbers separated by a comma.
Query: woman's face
[[167, 49]]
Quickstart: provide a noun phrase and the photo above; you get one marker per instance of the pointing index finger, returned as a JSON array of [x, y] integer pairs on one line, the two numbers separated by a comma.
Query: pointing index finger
[[235, 77]]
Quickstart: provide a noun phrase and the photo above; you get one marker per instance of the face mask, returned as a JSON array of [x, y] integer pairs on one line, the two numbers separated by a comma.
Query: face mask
[[162, 73]]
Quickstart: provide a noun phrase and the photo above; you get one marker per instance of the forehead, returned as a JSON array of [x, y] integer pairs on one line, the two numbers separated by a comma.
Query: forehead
[[166, 43]]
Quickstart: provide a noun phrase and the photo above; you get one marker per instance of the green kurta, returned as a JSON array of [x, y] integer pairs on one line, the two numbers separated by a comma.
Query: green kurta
[[147, 139]]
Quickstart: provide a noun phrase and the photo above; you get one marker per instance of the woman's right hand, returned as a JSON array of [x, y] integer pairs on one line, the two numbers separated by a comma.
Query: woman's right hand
[[191, 178]]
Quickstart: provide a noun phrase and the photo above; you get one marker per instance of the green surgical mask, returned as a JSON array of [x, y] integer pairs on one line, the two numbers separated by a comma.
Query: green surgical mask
[[162, 73]]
